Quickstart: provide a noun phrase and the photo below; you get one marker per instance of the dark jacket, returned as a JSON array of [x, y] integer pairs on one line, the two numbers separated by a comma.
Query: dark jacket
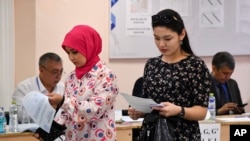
[[233, 91]]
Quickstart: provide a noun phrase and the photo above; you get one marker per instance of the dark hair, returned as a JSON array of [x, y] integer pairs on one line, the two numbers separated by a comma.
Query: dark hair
[[49, 56], [171, 19], [222, 59]]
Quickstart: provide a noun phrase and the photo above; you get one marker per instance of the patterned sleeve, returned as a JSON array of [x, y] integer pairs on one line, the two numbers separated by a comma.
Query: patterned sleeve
[[201, 83], [102, 90]]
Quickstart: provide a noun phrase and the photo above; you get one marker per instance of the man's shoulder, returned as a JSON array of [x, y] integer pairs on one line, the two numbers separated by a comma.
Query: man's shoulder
[[231, 80], [27, 81], [232, 83], [25, 86]]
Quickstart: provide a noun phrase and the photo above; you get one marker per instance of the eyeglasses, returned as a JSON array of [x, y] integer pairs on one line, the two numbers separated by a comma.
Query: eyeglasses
[[55, 72], [163, 19]]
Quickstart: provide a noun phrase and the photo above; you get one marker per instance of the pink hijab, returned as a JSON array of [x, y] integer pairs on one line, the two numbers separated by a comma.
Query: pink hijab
[[88, 42]]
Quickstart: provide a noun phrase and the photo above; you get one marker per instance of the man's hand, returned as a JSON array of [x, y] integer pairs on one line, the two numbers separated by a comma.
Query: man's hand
[[238, 110], [227, 107]]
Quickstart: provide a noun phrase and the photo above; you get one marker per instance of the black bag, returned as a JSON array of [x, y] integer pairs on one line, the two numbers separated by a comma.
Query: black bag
[[56, 131], [156, 128], [162, 131]]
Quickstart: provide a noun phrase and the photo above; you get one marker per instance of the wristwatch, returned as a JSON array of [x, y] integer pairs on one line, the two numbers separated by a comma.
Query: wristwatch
[[182, 113]]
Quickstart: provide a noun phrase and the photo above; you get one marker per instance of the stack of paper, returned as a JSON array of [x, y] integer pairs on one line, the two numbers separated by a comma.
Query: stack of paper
[[128, 119], [235, 119]]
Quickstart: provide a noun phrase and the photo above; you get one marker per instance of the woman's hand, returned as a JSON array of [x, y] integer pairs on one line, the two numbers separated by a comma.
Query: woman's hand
[[55, 99], [168, 109], [133, 114]]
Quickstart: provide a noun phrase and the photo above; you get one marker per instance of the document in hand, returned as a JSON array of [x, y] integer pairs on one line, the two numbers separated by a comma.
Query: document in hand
[[39, 109], [140, 104]]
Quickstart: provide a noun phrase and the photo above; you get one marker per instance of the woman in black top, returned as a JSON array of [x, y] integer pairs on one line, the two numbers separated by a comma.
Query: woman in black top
[[177, 78]]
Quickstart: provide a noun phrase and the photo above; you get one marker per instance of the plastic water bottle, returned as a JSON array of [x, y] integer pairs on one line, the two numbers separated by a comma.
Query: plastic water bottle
[[212, 107], [2, 120], [13, 123]]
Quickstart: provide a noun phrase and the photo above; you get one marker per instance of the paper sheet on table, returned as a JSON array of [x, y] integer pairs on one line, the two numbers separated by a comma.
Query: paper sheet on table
[[234, 119], [39, 109], [140, 104], [128, 119]]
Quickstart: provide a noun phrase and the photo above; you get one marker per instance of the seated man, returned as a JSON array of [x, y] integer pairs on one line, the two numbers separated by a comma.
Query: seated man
[[48, 80], [225, 89]]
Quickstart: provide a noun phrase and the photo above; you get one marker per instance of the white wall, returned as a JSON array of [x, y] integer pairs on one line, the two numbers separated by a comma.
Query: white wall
[[6, 52], [54, 18]]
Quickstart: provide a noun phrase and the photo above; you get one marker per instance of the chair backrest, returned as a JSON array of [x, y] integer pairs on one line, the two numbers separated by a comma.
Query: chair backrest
[[137, 90]]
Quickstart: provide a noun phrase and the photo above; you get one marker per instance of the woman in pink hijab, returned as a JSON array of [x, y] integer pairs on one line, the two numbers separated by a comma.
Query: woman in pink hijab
[[90, 90]]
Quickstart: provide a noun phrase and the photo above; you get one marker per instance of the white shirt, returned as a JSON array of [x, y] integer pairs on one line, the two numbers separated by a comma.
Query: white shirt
[[33, 84]]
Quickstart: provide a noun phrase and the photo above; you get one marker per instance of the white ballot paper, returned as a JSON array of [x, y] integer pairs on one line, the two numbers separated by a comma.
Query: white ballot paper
[[39, 109], [140, 104]]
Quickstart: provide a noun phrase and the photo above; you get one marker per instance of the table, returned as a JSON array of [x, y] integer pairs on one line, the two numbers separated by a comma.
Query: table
[[225, 126], [124, 131], [25, 136]]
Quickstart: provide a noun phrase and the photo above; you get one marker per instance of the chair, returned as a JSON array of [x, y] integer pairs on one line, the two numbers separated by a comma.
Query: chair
[[137, 91]]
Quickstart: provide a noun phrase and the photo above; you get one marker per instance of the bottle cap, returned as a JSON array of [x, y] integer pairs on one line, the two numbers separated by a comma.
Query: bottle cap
[[211, 94], [13, 101]]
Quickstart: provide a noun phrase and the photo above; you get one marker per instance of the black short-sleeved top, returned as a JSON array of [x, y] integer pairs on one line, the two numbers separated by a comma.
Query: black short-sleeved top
[[185, 83]]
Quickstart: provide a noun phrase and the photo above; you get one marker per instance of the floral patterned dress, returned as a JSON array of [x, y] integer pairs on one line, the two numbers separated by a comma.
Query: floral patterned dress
[[88, 108], [185, 83]]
